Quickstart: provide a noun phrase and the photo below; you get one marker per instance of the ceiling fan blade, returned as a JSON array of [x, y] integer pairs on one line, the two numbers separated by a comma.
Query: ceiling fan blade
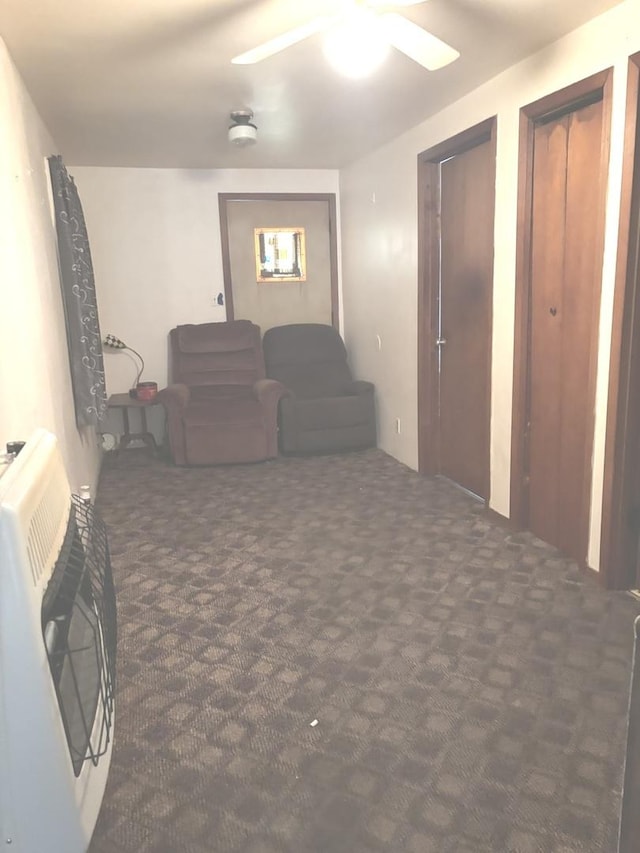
[[275, 45], [416, 43]]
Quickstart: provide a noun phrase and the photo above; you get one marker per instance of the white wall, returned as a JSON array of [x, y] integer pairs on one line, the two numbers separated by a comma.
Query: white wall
[[380, 283], [35, 383], [155, 242]]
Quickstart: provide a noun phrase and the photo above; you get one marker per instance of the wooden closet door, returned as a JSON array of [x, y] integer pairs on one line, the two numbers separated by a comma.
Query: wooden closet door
[[466, 287], [566, 271]]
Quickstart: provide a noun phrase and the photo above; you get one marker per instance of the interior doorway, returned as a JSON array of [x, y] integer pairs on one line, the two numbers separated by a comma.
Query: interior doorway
[[620, 533], [279, 302], [564, 158], [456, 198]]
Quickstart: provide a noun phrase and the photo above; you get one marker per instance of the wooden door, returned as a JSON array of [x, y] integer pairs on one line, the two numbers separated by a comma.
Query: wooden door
[[566, 271], [628, 553], [279, 302], [620, 541], [465, 296]]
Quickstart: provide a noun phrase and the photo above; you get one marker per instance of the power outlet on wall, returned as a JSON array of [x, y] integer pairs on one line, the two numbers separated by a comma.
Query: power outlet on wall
[[398, 425]]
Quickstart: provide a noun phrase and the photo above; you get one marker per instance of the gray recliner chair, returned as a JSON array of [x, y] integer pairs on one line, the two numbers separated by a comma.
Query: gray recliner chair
[[326, 409]]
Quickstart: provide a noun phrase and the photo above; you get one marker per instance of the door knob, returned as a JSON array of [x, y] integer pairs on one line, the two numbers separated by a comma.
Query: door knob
[[440, 342]]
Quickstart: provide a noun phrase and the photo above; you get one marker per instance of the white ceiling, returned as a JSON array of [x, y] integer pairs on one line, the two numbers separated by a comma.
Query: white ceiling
[[150, 83]]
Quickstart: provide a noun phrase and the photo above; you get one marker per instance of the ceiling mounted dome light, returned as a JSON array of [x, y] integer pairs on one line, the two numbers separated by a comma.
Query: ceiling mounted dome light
[[357, 46], [242, 131]]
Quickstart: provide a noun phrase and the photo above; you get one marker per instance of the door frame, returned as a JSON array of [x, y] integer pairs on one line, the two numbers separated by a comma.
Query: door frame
[[330, 198], [428, 284], [622, 336], [596, 87]]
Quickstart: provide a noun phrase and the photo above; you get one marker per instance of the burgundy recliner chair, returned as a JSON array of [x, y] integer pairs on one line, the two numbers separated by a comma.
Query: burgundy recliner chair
[[220, 407]]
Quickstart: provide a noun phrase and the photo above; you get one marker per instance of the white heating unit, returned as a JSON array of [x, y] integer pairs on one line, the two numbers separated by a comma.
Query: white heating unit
[[57, 656]]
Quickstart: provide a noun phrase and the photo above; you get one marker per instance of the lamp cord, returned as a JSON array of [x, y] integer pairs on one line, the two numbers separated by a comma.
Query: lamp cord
[[135, 352]]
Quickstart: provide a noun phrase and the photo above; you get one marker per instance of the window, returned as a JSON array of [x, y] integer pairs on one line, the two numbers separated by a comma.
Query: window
[[280, 254]]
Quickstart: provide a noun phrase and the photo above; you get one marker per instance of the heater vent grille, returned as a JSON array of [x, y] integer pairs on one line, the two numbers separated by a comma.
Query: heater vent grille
[[48, 523], [79, 627]]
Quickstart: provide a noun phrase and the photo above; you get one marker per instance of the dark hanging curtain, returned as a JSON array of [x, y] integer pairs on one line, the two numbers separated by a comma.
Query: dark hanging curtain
[[79, 299]]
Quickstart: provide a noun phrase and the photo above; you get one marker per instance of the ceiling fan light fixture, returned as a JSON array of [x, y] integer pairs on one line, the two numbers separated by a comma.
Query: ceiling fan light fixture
[[358, 39], [356, 47]]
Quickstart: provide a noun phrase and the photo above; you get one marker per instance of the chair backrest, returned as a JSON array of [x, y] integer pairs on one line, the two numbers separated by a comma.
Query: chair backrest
[[211, 355], [309, 358], [629, 834]]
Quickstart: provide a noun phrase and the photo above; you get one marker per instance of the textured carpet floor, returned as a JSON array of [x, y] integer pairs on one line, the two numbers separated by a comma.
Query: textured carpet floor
[[470, 685]]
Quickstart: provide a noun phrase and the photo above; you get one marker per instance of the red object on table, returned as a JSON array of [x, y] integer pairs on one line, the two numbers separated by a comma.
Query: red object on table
[[146, 391]]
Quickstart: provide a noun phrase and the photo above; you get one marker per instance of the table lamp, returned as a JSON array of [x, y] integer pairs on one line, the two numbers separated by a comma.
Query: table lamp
[[140, 390]]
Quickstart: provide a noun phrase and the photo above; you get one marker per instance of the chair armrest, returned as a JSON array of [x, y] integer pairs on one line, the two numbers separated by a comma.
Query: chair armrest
[[270, 391], [361, 387], [174, 397]]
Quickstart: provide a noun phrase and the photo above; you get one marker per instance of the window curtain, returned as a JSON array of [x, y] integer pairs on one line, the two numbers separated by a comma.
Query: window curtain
[[79, 299]]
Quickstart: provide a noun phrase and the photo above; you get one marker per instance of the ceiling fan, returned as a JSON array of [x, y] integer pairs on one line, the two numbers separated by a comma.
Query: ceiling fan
[[363, 24]]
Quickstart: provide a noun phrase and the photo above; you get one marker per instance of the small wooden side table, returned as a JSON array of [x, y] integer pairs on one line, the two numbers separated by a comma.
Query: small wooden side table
[[125, 403]]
